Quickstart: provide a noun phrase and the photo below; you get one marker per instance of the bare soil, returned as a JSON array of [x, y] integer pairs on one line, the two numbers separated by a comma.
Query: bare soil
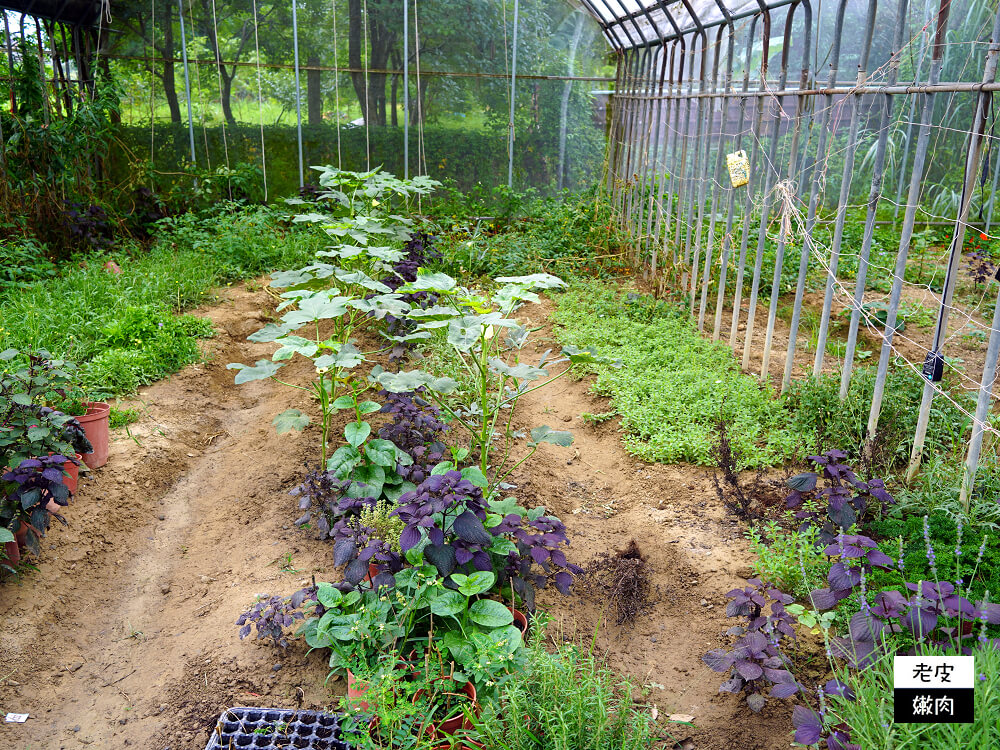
[[125, 635]]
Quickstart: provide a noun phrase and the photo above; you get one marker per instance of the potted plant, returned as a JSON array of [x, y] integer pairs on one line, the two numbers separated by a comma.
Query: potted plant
[[96, 425], [26, 492]]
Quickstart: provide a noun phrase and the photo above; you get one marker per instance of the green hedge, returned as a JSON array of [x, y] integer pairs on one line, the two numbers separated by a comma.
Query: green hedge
[[466, 156]]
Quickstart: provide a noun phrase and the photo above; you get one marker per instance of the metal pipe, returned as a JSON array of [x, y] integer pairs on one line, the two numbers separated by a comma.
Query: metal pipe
[[771, 174], [814, 191], [406, 89], [873, 199], [958, 240], [785, 223], [513, 84], [982, 410], [298, 92], [845, 188], [187, 80]]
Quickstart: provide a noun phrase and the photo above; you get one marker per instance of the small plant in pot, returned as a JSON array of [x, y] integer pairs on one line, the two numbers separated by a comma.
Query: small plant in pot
[[26, 492]]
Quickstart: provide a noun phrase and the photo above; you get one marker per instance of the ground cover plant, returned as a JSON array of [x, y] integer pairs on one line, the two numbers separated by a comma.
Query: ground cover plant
[[92, 313]]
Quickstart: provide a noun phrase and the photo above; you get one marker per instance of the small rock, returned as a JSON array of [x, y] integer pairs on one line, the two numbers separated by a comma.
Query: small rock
[[76, 728], [744, 571], [653, 639], [704, 602], [162, 516], [123, 722], [165, 589], [276, 668], [206, 579], [75, 666], [567, 419]]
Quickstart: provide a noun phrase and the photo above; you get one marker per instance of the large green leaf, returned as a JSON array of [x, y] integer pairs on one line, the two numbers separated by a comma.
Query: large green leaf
[[319, 307], [6, 536], [546, 434], [260, 371], [447, 603], [381, 452], [534, 281], [360, 278], [521, 371], [287, 279], [290, 419], [328, 596], [346, 357], [409, 380], [292, 345], [588, 355], [270, 332], [343, 460], [490, 614], [477, 583], [356, 432], [429, 282]]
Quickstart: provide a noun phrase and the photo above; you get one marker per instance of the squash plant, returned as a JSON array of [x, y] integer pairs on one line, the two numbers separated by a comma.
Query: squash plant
[[487, 340]]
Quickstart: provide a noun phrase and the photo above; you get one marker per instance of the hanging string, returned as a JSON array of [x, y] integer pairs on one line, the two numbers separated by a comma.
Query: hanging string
[[218, 68], [368, 102], [336, 84], [201, 95], [260, 99]]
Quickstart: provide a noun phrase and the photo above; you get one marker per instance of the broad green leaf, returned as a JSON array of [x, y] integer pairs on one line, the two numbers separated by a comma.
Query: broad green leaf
[[369, 407], [534, 281], [447, 603], [21, 398], [437, 312], [328, 596], [343, 402], [490, 614], [6, 536], [346, 357], [320, 307], [292, 345], [287, 279], [290, 419], [546, 434], [521, 371], [343, 460], [361, 279], [270, 332], [260, 371], [429, 282], [476, 583], [410, 380], [355, 433], [588, 355], [372, 477], [476, 476], [381, 452]]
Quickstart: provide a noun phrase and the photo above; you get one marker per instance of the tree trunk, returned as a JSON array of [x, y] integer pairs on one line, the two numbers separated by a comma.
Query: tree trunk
[[169, 87], [314, 94], [354, 47], [226, 95]]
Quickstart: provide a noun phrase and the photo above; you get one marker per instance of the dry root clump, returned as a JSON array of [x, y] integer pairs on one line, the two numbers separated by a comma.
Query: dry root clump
[[621, 578]]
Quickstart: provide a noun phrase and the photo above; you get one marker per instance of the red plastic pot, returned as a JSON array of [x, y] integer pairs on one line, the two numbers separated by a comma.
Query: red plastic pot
[[520, 620], [13, 549], [73, 469], [356, 691], [95, 425]]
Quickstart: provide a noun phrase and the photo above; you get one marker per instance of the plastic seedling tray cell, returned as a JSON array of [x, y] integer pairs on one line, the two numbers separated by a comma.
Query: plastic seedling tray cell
[[276, 729]]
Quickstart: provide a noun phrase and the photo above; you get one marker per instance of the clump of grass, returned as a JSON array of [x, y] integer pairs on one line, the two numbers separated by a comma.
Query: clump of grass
[[567, 700]]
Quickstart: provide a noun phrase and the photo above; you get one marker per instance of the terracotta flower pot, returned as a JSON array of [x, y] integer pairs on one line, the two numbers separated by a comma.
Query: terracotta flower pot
[[455, 723], [13, 549], [520, 620], [73, 469], [356, 691], [95, 425]]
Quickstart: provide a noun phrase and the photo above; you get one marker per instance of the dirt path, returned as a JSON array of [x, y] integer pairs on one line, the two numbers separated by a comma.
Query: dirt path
[[125, 636]]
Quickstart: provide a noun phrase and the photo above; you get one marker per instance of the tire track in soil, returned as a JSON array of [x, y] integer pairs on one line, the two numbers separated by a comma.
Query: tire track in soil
[[125, 636]]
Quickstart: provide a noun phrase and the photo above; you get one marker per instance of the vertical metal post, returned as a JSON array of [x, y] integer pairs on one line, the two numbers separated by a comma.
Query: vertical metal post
[[984, 101], [770, 178], [187, 80], [913, 111], [298, 92], [513, 99], [909, 216], [814, 190], [982, 409], [873, 199], [785, 220], [845, 191], [406, 89], [754, 156]]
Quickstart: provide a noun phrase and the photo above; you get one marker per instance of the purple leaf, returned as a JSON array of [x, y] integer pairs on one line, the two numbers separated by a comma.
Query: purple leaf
[[785, 689], [808, 725], [749, 670], [409, 538], [823, 599], [562, 580], [718, 660], [470, 529]]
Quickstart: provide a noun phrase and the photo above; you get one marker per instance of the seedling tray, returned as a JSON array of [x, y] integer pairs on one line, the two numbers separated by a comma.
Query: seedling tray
[[276, 729]]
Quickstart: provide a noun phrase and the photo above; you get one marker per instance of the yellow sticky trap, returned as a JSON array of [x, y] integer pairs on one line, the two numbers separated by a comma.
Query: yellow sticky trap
[[739, 168]]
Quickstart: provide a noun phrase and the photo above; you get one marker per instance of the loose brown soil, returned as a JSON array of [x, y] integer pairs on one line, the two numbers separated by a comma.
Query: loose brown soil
[[125, 635]]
